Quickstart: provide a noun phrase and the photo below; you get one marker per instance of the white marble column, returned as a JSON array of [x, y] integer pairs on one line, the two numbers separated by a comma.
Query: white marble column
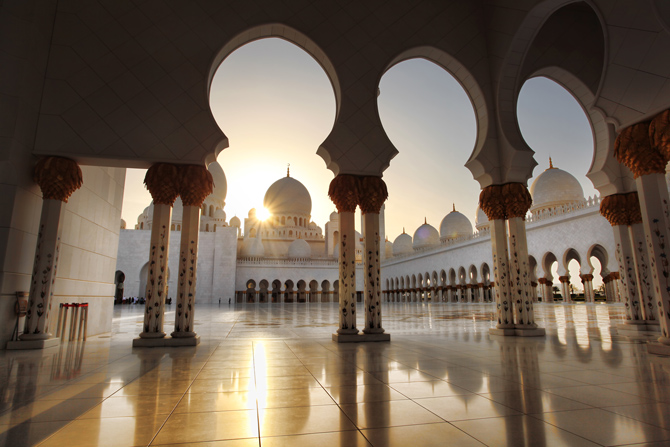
[[648, 303], [188, 263], [58, 179], [587, 283], [347, 297], [504, 307], [565, 288], [654, 200], [162, 180], [520, 279], [373, 305]]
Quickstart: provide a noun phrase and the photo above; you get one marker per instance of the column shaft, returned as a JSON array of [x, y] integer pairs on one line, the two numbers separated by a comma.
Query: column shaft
[[504, 308], [44, 271], [653, 193], [648, 304], [347, 260], [157, 275], [188, 263], [520, 278], [628, 272], [373, 306]]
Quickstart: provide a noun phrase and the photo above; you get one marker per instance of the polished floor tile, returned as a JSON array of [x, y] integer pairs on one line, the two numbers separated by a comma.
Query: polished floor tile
[[440, 381]]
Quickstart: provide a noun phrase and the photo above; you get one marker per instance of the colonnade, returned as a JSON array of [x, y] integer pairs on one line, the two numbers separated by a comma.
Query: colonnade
[[462, 293]]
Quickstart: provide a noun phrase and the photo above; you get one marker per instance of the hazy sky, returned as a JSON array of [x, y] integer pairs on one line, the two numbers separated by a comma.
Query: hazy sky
[[276, 105]]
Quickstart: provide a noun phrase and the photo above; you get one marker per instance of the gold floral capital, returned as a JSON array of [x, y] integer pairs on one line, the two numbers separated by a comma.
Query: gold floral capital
[[344, 192], [372, 194], [633, 148], [491, 202], [195, 184], [58, 177], [162, 180], [505, 201], [621, 209], [659, 133]]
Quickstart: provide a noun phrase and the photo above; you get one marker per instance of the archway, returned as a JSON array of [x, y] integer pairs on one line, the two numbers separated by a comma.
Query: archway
[[119, 280]]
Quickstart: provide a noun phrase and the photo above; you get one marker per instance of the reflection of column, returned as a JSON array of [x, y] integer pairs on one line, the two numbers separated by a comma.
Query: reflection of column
[[491, 202], [195, 185], [58, 178], [372, 194], [343, 191], [565, 288], [162, 180], [480, 298], [645, 149]]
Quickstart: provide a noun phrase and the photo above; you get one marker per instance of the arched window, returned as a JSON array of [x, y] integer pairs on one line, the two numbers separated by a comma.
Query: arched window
[[141, 225], [214, 227], [207, 227], [283, 220], [290, 233], [300, 222], [178, 227], [211, 211], [172, 227]]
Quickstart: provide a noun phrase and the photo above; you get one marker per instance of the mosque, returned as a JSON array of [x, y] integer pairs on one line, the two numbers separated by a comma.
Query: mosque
[[288, 258], [91, 88]]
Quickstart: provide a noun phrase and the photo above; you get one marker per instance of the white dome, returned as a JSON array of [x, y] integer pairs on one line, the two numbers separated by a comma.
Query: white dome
[[425, 236], [252, 248], [555, 187], [334, 216], [455, 225], [220, 183], [388, 248], [287, 196], [482, 220], [220, 215], [235, 222], [299, 248], [402, 244], [252, 213]]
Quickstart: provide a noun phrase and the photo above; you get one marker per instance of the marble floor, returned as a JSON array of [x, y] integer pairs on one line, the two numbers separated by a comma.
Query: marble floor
[[271, 376]]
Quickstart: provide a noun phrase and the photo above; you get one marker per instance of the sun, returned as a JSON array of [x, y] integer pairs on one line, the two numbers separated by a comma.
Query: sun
[[262, 213]]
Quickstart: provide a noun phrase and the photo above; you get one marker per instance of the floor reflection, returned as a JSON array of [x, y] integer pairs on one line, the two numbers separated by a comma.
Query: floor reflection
[[269, 374]]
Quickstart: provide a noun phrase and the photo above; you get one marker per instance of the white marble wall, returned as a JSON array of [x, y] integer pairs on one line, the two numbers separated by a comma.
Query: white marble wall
[[216, 263]]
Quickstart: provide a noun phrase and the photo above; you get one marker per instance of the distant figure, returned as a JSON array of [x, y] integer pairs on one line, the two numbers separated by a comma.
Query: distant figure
[[219, 301], [229, 301]]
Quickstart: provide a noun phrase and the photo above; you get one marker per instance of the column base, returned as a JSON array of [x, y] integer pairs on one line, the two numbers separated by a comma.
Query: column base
[[165, 342], [530, 332], [370, 331], [152, 335], [360, 337], [638, 328], [33, 344], [658, 348], [182, 334]]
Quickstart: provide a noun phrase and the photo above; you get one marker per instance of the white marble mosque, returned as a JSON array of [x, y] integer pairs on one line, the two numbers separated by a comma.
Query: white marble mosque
[[441, 335], [288, 258]]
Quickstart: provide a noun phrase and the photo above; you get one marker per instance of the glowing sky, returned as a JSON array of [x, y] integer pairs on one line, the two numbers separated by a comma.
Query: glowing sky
[[276, 105]]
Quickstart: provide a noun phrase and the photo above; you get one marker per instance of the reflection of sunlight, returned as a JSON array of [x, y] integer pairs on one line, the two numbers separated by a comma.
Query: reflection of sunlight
[[259, 364], [603, 320], [262, 213], [560, 325]]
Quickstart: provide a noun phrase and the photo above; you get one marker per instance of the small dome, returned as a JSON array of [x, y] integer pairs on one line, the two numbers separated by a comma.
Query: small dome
[[235, 222], [287, 196], [299, 249], [313, 226], [402, 244], [220, 183], [334, 216], [482, 220], [220, 215], [388, 248], [555, 187], [252, 248], [425, 236], [123, 224], [252, 213], [455, 225]]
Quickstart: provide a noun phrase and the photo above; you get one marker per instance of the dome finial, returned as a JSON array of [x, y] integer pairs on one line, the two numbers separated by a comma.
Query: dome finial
[[454, 207], [288, 169], [403, 230], [551, 164], [425, 221]]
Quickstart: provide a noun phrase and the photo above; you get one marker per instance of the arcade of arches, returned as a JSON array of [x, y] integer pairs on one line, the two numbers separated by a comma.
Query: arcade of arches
[[92, 88]]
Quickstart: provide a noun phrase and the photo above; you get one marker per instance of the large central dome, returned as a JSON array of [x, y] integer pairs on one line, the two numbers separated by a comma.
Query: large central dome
[[555, 187], [287, 196]]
